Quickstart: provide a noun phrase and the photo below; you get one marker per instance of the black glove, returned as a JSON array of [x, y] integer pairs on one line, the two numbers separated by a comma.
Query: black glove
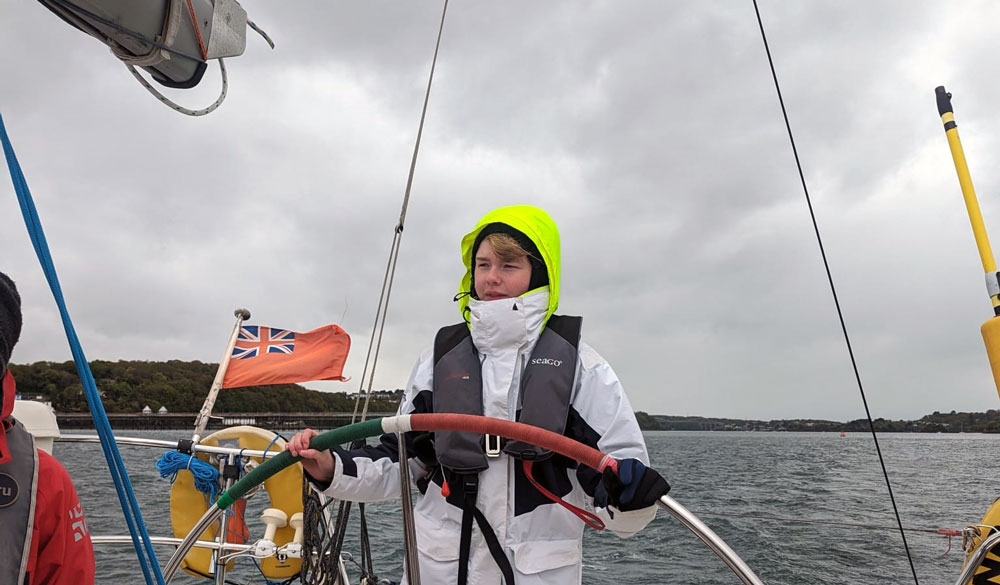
[[634, 487]]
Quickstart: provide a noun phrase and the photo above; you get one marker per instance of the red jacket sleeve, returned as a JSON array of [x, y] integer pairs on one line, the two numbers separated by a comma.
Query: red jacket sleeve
[[61, 551]]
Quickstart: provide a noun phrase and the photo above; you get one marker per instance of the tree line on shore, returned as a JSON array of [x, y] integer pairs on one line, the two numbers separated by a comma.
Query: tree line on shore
[[181, 386], [936, 422]]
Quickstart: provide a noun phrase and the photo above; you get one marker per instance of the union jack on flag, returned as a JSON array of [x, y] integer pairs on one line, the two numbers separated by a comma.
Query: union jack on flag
[[255, 340]]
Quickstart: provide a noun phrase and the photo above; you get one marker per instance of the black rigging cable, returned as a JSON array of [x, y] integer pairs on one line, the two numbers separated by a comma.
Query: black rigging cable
[[833, 290], [375, 342]]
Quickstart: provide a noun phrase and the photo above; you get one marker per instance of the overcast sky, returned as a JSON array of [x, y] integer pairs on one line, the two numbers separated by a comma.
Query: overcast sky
[[651, 131]]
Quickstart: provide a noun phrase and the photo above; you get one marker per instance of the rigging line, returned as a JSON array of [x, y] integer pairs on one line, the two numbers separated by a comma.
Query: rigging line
[[383, 303], [833, 291], [383, 306], [423, 114], [116, 465], [385, 313], [371, 340]]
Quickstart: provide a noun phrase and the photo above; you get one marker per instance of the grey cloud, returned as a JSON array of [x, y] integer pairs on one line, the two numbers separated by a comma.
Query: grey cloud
[[650, 131]]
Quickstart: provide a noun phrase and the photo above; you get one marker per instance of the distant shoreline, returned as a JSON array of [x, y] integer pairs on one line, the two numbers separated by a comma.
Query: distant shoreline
[[186, 420], [128, 387], [954, 422], [937, 422]]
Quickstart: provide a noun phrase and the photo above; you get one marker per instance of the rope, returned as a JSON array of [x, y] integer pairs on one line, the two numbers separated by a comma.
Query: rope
[[261, 32], [274, 439], [319, 563], [159, 45], [336, 543], [116, 466], [833, 290], [588, 518], [177, 107], [368, 569], [206, 476]]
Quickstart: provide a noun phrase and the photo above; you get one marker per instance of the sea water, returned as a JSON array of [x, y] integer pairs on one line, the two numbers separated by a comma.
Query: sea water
[[799, 508]]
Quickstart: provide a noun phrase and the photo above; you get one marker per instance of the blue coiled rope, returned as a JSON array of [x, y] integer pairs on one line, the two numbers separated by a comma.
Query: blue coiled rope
[[206, 477], [126, 495]]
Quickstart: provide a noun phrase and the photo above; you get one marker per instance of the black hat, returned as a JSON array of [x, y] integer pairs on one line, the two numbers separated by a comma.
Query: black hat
[[10, 319], [539, 273]]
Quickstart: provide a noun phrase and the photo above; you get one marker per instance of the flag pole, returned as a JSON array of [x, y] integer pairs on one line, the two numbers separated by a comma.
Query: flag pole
[[206, 409]]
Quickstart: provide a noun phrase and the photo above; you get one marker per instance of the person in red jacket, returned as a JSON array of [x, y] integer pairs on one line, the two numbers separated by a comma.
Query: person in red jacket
[[44, 539]]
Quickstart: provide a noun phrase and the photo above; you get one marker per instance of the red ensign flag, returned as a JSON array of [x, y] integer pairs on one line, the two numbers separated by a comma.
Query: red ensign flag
[[265, 355]]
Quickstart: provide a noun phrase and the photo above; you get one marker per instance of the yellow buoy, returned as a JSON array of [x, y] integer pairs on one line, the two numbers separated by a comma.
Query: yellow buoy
[[188, 505]]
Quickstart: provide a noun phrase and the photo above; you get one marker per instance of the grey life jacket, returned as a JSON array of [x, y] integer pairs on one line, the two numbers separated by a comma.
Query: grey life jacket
[[18, 486], [544, 399]]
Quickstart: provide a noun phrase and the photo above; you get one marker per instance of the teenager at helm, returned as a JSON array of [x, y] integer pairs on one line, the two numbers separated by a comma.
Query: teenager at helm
[[511, 358]]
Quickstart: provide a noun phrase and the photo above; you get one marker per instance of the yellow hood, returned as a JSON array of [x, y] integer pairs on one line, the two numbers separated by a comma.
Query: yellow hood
[[540, 229]]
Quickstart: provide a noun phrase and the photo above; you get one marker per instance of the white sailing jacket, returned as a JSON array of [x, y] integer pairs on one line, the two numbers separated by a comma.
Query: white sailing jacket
[[542, 539]]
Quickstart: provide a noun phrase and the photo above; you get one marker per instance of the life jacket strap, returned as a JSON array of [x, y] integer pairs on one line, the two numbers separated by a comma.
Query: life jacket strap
[[588, 518], [470, 483]]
